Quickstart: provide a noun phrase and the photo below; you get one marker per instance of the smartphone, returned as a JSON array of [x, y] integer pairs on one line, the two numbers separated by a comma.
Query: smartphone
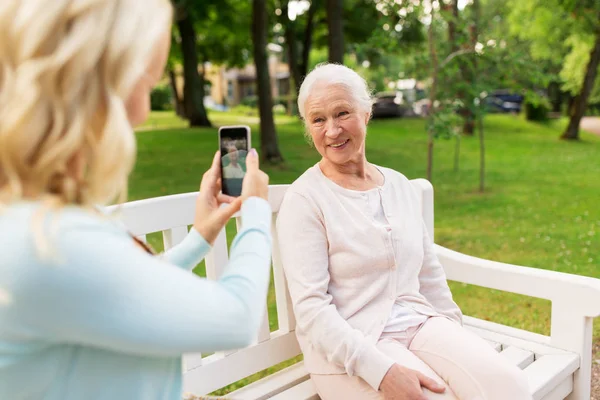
[[234, 142]]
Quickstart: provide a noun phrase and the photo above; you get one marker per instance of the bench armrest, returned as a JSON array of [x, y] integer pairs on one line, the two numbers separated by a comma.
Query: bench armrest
[[580, 291]]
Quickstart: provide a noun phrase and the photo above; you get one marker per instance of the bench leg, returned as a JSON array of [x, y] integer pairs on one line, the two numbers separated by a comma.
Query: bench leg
[[573, 332]]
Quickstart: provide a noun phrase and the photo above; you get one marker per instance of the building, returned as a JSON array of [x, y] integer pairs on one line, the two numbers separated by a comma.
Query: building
[[230, 86]]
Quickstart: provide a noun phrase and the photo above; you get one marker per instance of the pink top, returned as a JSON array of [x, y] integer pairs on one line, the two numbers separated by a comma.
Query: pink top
[[345, 271]]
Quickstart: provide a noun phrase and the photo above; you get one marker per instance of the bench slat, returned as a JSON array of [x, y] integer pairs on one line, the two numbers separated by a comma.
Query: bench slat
[[546, 373], [283, 300], [509, 336], [174, 236], [272, 385], [304, 391], [560, 392], [519, 357], [495, 345], [218, 257], [216, 374]]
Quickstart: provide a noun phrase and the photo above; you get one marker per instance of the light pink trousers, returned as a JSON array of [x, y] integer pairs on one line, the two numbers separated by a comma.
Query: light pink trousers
[[464, 363]]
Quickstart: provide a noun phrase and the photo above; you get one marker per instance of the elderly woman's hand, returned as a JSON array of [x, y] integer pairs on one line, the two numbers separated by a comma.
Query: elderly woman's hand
[[210, 216], [401, 383]]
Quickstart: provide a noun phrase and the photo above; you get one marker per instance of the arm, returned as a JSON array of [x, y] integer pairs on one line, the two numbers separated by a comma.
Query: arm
[[304, 252], [434, 285], [104, 292], [189, 252]]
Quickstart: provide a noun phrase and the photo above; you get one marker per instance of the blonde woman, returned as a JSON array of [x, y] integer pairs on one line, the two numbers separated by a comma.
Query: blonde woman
[[85, 312]]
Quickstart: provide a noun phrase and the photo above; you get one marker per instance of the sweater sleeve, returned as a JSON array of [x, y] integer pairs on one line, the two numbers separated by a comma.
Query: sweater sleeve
[[187, 254], [304, 252], [434, 285], [102, 290]]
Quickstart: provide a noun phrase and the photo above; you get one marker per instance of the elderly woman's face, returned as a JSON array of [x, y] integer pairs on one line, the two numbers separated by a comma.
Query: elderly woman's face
[[336, 124]]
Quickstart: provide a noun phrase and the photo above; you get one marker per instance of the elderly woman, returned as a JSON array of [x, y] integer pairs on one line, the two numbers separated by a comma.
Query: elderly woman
[[375, 316]]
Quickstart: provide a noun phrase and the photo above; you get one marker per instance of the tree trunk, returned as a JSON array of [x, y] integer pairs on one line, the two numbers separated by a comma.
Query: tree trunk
[[481, 150], [193, 87], [335, 23], [179, 110], [580, 102], [481, 104], [456, 153], [469, 75], [432, 97], [308, 33], [268, 136], [292, 47], [555, 96]]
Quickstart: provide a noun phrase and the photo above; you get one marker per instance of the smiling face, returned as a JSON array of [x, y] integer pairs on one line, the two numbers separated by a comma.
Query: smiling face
[[336, 124]]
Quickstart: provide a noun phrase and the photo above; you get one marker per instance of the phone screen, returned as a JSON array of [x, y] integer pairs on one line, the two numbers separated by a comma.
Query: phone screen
[[234, 149]]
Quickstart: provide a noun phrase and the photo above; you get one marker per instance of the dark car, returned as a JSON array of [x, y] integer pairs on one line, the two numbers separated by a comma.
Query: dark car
[[504, 102], [388, 105]]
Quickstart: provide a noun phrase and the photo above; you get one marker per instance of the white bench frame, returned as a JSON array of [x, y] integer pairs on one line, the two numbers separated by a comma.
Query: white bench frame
[[558, 366]]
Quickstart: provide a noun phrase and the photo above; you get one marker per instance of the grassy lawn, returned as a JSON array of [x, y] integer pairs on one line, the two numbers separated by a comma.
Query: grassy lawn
[[540, 207]]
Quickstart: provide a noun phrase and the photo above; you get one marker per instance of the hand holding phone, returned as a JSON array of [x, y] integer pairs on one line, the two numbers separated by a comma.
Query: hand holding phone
[[210, 217]]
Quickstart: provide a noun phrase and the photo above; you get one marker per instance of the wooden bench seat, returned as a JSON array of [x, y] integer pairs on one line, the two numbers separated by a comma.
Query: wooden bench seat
[[549, 370], [557, 366]]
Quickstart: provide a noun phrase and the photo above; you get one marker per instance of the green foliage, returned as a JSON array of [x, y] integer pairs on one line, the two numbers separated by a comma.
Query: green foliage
[[250, 101], [536, 112], [243, 109], [575, 65], [223, 29], [559, 32], [161, 98], [445, 123]]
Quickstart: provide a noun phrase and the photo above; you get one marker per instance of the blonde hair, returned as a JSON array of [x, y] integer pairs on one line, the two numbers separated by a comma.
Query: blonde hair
[[67, 68]]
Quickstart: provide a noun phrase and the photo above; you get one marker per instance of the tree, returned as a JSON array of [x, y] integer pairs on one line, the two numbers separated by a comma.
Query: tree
[[432, 95], [193, 87], [456, 38], [335, 23], [268, 135], [581, 100], [298, 40], [174, 60], [556, 31]]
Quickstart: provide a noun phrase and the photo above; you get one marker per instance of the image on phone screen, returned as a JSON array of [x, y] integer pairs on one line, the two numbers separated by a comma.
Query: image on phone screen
[[234, 149]]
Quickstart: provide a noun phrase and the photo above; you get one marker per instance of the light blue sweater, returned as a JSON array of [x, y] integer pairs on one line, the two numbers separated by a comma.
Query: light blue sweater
[[103, 319]]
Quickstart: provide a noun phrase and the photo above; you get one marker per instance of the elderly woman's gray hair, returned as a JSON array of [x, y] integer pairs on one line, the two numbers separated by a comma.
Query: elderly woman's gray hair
[[335, 74]]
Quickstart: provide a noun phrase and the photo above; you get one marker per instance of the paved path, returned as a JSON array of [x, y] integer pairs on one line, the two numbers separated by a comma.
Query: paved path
[[591, 124]]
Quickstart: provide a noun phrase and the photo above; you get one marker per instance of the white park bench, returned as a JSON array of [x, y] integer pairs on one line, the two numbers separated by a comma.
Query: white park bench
[[557, 366]]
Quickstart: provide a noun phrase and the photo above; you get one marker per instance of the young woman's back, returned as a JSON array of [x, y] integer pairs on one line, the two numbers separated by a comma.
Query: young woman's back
[[85, 311]]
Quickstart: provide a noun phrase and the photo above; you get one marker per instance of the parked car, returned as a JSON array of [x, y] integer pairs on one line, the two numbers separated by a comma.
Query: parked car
[[504, 101], [388, 105]]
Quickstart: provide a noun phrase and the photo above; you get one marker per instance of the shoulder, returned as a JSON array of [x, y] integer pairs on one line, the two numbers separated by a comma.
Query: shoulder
[[393, 176], [301, 197], [24, 226], [307, 186], [400, 184]]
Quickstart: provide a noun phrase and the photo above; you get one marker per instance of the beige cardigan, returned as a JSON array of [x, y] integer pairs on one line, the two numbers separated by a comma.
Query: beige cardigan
[[345, 272]]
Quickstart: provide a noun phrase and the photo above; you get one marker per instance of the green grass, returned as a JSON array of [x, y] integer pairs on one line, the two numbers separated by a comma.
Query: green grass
[[540, 207]]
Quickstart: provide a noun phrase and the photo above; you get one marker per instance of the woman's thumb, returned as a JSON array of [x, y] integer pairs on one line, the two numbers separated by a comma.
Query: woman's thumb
[[252, 160]]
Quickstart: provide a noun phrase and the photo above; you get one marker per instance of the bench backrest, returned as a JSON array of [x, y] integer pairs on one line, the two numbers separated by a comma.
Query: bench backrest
[[203, 374]]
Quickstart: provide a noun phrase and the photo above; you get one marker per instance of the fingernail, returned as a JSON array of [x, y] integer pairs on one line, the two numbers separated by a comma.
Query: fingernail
[[253, 152]]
